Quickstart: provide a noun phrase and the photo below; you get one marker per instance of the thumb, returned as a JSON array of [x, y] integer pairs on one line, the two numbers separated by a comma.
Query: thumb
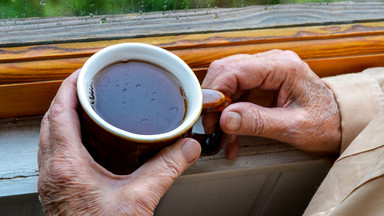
[[245, 118], [158, 174]]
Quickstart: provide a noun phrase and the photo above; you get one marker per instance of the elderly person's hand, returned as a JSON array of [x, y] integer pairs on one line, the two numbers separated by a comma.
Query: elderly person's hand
[[276, 96], [72, 183]]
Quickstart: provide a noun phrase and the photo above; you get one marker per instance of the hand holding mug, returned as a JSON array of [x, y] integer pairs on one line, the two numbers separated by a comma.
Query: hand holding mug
[[72, 183], [277, 96], [137, 99]]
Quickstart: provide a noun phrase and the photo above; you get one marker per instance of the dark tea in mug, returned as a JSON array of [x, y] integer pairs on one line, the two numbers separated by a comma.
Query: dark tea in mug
[[138, 97]]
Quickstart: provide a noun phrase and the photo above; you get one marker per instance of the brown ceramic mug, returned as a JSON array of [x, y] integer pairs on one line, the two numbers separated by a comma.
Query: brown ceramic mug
[[120, 151]]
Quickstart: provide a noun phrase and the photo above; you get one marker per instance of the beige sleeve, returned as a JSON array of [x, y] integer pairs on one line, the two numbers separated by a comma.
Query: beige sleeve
[[360, 97]]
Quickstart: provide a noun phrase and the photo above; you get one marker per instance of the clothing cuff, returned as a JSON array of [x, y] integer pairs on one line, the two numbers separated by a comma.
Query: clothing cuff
[[359, 98]]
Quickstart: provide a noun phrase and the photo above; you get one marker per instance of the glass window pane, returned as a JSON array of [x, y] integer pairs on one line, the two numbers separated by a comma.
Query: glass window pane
[[58, 8]]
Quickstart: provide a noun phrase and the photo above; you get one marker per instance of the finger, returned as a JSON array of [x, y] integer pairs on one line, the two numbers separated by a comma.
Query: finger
[[44, 141], [209, 122], [267, 71], [161, 171], [250, 119], [231, 146], [66, 95], [65, 133]]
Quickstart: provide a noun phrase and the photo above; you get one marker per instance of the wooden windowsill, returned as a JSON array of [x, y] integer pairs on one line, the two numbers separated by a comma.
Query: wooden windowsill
[[37, 54]]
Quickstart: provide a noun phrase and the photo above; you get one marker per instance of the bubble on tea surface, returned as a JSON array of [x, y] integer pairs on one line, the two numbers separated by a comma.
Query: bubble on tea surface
[[144, 121], [174, 110]]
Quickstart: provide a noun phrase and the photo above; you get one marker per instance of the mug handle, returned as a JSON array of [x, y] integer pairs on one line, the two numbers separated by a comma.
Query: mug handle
[[213, 101]]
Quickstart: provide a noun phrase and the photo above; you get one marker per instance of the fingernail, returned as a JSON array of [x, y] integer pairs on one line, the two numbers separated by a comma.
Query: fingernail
[[191, 150], [233, 121]]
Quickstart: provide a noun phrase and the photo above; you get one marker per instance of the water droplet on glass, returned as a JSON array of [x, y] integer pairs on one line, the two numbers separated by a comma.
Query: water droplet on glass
[[125, 90], [42, 2], [103, 20], [91, 14], [124, 102], [153, 99], [138, 85]]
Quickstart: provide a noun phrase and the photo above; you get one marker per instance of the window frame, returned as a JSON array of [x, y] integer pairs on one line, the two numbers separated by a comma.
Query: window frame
[[336, 38]]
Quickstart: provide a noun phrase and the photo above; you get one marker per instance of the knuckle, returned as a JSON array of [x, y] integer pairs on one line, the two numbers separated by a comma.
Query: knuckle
[[141, 194], [256, 126], [293, 57], [269, 68], [55, 111], [290, 53], [173, 168], [277, 51], [218, 62], [216, 65], [293, 63]]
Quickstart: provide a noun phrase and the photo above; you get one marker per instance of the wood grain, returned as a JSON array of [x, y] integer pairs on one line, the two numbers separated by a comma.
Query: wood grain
[[26, 99], [30, 74], [188, 41], [57, 61]]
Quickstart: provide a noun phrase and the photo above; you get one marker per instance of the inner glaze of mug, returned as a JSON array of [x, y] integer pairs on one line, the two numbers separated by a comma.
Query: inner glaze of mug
[[153, 55]]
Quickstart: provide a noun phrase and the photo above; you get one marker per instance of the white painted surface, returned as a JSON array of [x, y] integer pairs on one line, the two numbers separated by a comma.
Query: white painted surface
[[268, 178]]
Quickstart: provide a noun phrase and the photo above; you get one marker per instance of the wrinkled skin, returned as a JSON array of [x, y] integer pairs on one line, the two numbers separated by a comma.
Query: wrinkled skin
[[276, 96], [72, 183]]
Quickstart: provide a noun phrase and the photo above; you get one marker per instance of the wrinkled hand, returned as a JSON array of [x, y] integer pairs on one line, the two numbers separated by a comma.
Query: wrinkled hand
[[277, 96], [72, 183]]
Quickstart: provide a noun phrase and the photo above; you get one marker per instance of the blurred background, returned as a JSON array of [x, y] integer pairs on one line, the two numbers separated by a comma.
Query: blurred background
[[57, 8]]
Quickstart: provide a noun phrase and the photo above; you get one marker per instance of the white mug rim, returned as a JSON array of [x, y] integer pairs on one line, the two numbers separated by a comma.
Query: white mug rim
[[193, 110]]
